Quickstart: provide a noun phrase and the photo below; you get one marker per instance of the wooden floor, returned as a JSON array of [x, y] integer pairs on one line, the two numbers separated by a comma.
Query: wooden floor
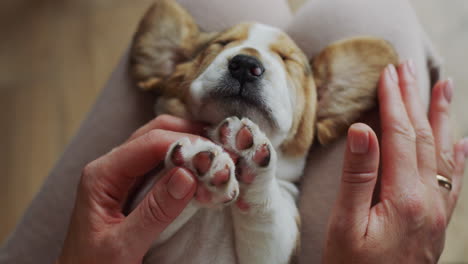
[[56, 55]]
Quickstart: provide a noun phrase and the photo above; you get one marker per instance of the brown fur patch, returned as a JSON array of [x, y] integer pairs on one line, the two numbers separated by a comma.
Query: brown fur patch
[[164, 38], [234, 35], [346, 74]]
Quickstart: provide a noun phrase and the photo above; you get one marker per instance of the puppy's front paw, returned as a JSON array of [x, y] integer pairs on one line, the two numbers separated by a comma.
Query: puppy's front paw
[[254, 155], [251, 149], [213, 167]]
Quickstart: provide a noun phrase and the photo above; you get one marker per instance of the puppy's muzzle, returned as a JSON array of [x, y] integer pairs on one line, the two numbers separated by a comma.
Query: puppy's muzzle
[[245, 68]]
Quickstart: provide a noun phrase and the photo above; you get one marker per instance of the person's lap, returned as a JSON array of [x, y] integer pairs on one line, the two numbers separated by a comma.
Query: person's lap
[[39, 235]]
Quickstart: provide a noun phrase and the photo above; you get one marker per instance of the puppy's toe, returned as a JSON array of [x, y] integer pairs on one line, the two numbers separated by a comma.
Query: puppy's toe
[[175, 155], [262, 155], [221, 177], [202, 162], [244, 138]]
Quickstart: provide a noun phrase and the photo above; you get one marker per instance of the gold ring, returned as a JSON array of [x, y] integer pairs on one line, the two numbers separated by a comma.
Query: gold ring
[[444, 182]]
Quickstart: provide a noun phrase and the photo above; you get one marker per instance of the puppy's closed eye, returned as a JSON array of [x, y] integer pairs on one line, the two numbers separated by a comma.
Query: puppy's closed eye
[[283, 56], [223, 42], [286, 58]]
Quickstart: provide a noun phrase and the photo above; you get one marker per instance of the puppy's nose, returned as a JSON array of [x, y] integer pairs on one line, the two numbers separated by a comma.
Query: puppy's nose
[[245, 68]]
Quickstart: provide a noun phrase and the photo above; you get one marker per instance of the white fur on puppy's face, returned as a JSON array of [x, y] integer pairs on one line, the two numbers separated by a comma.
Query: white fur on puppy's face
[[273, 106]]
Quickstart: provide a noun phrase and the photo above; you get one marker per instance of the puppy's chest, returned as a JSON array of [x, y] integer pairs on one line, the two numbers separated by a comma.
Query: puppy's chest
[[207, 238]]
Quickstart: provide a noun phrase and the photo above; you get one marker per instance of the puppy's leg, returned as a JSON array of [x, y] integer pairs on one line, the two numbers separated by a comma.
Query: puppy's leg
[[265, 216]]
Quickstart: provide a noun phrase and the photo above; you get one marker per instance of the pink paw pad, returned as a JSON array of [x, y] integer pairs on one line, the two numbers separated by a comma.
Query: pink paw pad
[[176, 156], [244, 139], [202, 162], [242, 204], [221, 177], [262, 156]]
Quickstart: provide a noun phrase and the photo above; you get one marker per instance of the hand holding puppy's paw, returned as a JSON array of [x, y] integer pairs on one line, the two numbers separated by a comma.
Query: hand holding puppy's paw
[[213, 168]]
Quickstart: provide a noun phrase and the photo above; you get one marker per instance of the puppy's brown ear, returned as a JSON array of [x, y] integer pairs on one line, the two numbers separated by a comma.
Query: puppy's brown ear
[[166, 36], [346, 74]]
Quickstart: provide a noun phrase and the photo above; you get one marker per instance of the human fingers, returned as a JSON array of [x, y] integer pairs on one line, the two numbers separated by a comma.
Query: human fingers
[[439, 117], [398, 138], [159, 208], [360, 170], [171, 123], [110, 178], [425, 146]]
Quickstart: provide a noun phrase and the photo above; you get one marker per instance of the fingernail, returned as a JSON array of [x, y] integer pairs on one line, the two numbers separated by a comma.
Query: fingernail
[[392, 72], [180, 184], [411, 68], [359, 139], [448, 90]]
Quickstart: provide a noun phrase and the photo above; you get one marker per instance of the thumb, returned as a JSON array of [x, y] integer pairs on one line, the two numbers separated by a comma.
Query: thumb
[[161, 206], [360, 170]]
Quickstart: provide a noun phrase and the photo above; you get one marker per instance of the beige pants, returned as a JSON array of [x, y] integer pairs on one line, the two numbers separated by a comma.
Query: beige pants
[[121, 108]]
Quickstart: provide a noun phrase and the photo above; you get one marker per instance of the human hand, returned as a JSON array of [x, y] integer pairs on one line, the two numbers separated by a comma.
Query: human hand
[[99, 232], [407, 222]]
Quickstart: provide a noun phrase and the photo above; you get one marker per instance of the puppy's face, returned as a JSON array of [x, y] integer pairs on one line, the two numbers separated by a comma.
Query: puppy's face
[[256, 71], [250, 70]]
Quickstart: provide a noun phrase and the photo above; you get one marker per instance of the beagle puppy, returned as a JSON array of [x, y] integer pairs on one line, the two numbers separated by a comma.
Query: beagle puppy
[[267, 103]]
